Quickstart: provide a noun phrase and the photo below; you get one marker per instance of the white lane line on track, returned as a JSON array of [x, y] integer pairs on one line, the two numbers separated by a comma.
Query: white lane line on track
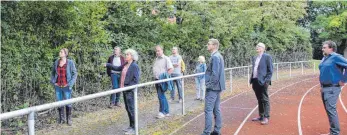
[[249, 114], [299, 108], [343, 105], [203, 113]]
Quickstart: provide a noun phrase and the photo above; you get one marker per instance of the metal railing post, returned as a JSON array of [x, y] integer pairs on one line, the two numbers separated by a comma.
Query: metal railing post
[[248, 76], [277, 71], [231, 80], [314, 67], [290, 69], [302, 68], [31, 123], [183, 108], [136, 112]]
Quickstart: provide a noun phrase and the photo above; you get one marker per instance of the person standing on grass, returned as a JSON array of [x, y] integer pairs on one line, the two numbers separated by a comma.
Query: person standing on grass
[[176, 62], [200, 80], [130, 75], [331, 78], [63, 77], [215, 84], [116, 60], [162, 65], [260, 80]]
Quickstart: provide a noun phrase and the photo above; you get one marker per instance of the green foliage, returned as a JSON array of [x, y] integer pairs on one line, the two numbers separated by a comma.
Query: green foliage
[[328, 23], [34, 32]]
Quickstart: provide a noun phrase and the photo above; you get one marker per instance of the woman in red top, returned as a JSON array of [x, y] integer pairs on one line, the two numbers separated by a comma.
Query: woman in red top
[[63, 77]]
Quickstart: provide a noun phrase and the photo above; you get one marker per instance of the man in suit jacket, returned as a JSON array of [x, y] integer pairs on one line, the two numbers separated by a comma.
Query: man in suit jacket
[[116, 59], [260, 80], [215, 84]]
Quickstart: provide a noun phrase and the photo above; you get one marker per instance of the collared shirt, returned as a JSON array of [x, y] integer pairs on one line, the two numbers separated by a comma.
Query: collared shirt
[[331, 69], [116, 62], [161, 65], [61, 79], [256, 64], [176, 59]]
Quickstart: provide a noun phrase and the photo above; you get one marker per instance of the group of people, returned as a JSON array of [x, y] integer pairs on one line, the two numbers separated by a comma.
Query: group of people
[[124, 72]]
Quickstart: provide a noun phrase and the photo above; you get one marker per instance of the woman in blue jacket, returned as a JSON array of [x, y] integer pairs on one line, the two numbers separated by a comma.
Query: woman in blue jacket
[[200, 80], [130, 75], [63, 77]]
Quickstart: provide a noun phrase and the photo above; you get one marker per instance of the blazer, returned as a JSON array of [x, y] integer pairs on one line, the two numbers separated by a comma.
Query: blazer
[[132, 76], [265, 69], [110, 60], [214, 75], [71, 73]]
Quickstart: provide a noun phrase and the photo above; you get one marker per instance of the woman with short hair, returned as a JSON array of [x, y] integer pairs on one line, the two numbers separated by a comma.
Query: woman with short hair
[[130, 75], [200, 80]]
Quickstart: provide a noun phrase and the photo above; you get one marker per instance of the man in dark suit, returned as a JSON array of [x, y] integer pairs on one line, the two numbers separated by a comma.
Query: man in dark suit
[[260, 80], [215, 84]]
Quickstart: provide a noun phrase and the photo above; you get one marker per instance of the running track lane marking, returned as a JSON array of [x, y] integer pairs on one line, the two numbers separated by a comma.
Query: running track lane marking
[[299, 108], [249, 114], [185, 124], [343, 105]]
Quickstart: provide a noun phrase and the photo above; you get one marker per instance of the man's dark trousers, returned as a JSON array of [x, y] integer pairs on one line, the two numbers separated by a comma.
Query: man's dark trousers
[[329, 97], [263, 98]]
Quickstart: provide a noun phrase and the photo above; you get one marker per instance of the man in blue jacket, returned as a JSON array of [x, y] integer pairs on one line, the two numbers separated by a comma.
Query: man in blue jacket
[[260, 80], [331, 78], [215, 84]]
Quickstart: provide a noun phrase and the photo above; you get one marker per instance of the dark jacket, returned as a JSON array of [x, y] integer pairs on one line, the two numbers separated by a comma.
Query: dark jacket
[[214, 75], [265, 69], [132, 76], [110, 60]]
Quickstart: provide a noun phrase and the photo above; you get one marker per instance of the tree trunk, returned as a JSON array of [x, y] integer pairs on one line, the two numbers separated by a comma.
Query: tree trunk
[[344, 44]]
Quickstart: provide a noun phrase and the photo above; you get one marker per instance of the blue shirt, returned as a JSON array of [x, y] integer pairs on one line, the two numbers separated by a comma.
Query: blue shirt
[[331, 69]]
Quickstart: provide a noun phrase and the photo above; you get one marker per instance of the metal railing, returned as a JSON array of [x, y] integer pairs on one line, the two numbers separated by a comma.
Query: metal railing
[[32, 110]]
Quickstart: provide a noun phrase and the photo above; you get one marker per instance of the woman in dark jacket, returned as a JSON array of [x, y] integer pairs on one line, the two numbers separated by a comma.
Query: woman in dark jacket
[[130, 75]]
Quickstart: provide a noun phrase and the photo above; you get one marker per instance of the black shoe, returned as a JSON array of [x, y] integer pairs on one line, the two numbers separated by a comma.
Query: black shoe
[[68, 115], [61, 119], [215, 133]]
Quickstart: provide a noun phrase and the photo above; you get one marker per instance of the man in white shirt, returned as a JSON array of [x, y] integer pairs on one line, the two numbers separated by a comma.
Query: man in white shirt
[[117, 60], [162, 64], [260, 80]]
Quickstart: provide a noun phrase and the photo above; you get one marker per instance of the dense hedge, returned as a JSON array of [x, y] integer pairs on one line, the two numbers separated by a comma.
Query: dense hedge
[[33, 33]]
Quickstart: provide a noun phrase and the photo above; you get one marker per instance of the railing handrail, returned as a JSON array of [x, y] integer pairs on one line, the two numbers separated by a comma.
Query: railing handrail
[[46, 106]]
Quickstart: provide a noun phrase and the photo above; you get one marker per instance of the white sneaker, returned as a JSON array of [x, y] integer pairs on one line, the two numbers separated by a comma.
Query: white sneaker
[[130, 132], [180, 101], [167, 115], [127, 129], [160, 115]]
